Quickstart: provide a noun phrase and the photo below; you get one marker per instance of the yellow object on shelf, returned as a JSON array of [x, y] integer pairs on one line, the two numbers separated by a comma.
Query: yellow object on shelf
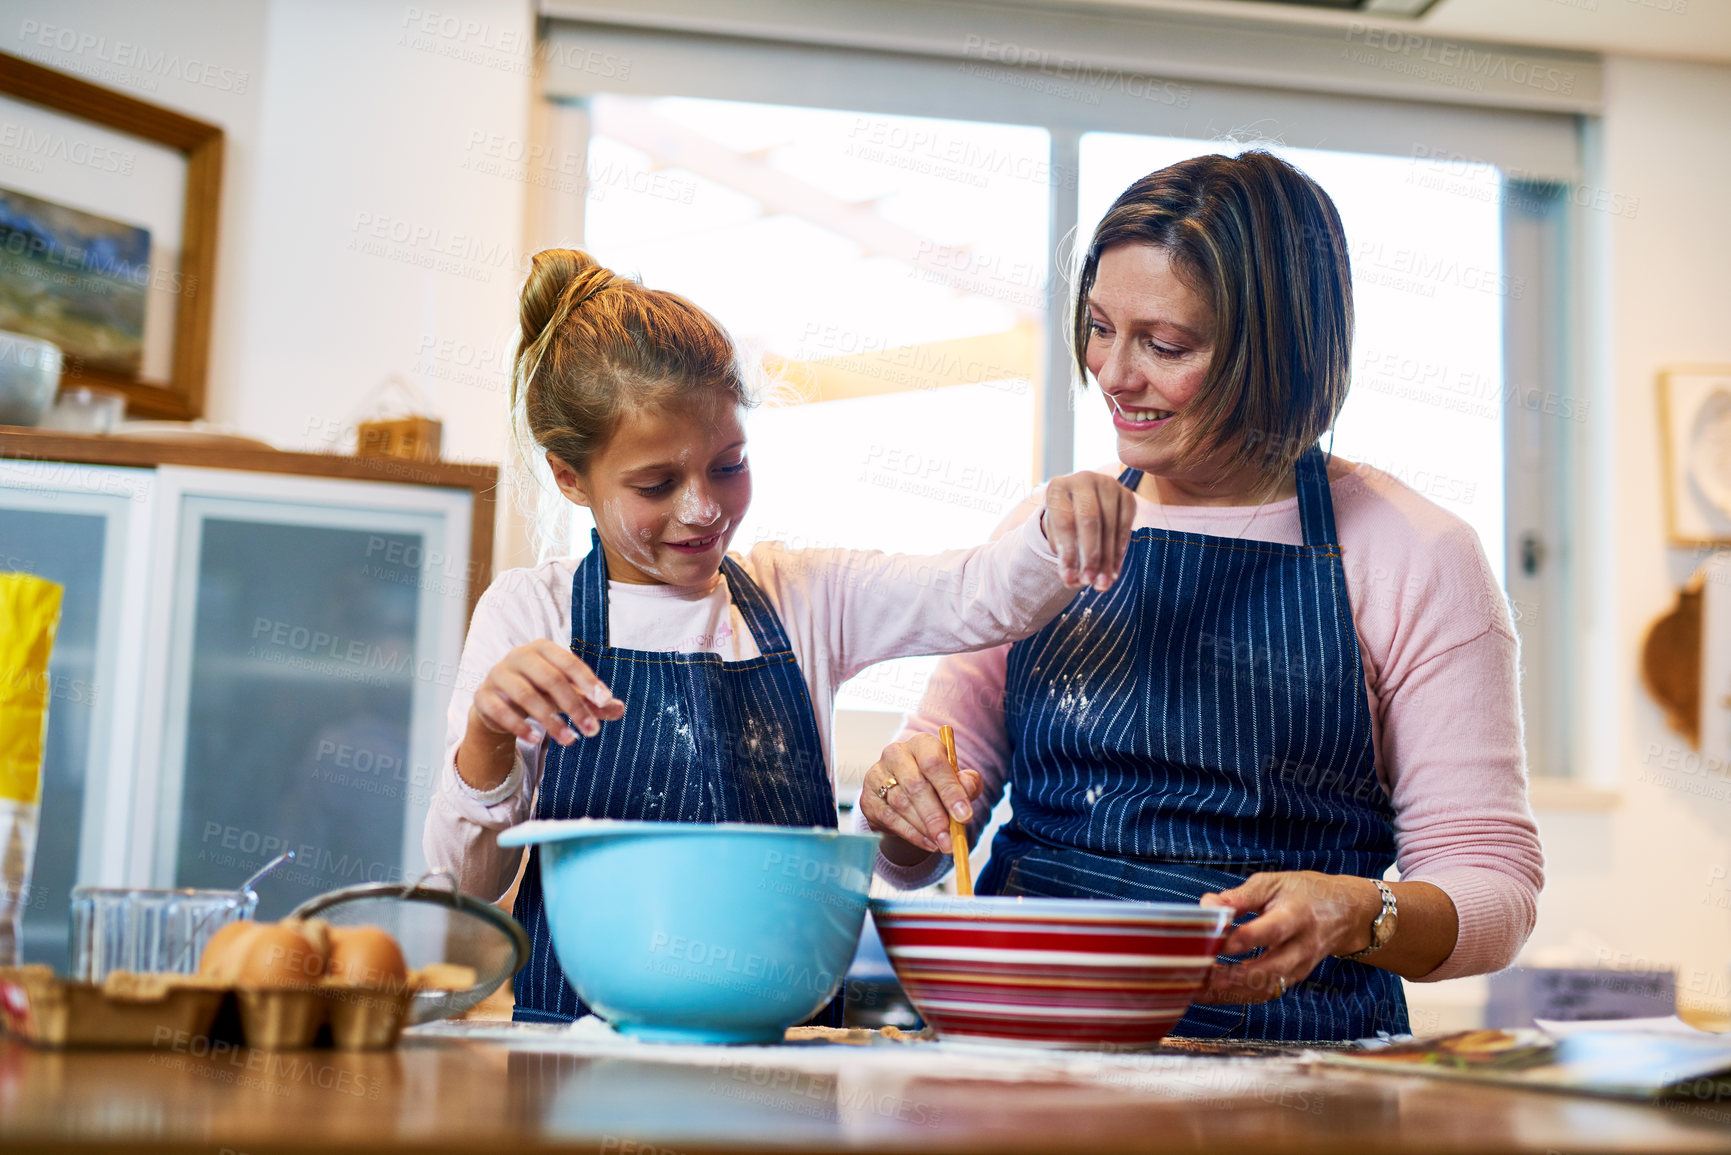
[[29, 615]]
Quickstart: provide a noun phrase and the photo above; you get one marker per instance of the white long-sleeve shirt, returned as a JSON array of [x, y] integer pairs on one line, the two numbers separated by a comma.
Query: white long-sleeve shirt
[[843, 610]]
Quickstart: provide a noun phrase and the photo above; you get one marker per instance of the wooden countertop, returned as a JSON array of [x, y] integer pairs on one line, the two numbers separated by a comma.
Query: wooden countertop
[[449, 1095]]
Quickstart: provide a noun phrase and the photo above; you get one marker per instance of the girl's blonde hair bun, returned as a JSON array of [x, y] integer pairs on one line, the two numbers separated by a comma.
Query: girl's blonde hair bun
[[595, 345], [560, 280]]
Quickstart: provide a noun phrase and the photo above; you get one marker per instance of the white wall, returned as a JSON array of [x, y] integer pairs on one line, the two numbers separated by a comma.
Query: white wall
[[349, 172], [1636, 862], [374, 249], [1643, 879]]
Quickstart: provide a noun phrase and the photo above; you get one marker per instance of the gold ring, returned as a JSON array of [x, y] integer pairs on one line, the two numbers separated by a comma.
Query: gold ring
[[884, 790], [1281, 979]]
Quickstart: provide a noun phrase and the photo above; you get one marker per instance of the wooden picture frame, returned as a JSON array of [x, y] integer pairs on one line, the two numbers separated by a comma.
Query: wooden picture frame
[[1695, 453], [181, 397]]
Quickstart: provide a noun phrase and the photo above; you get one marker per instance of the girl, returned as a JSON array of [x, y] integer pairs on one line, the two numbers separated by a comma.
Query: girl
[[659, 678]]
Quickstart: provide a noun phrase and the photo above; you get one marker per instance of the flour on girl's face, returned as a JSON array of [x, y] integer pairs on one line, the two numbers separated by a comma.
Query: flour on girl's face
[[696, 507], [636, 544], [668, 491]]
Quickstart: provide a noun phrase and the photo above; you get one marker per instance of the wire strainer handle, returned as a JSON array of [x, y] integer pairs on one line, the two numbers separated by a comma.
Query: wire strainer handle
[[421, 882]]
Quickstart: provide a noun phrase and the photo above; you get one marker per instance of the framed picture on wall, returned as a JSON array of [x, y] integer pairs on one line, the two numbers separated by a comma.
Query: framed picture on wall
[[1695, 439], [108, 220]]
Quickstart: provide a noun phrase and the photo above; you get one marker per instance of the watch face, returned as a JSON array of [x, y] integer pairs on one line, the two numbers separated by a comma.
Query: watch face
[[1383, 928]]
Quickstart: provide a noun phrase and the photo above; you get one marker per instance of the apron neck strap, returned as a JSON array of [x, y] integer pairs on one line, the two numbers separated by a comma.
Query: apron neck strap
[[760, 617], [589, 603], [589, 596], [1315, 503]]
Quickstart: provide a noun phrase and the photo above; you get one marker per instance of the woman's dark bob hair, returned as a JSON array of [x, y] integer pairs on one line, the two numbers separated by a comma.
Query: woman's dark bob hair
[[1263, 244]]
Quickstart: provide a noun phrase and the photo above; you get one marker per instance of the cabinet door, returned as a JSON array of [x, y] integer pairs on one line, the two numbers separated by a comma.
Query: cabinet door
[[75, 525], [312, 640]]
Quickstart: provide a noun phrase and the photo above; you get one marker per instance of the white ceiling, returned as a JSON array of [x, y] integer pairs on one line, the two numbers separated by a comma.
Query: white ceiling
[[1685, 29]]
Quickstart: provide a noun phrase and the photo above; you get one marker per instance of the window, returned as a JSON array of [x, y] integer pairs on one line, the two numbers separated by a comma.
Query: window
[[1460, 252], [889, 273]]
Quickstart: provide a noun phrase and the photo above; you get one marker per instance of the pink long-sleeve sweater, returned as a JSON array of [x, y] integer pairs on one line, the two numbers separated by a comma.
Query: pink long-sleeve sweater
[[1440, 670]]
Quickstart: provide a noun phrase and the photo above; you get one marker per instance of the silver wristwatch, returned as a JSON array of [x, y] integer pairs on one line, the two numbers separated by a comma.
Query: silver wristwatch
[[1382, 930]]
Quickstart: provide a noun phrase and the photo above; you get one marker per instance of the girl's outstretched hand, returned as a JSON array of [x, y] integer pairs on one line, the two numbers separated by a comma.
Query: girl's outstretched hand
[[538, 682], [1088, 519]]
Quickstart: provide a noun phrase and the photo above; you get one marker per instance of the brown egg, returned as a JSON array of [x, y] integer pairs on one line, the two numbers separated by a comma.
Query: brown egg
[[224, 952], [279, 956], [366, 956]]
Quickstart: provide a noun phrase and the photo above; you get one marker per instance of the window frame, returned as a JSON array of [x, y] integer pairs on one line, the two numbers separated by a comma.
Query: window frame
[[1539, 148]]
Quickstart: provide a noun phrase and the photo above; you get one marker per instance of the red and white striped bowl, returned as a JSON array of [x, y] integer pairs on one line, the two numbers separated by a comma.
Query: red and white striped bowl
[[1050, 972]]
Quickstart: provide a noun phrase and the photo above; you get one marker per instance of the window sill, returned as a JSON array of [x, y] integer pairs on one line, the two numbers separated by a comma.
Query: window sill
[[1564, 794]]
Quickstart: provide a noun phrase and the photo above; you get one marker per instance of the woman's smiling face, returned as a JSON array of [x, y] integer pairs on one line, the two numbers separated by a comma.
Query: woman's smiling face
[[1151, 340], [668, 490]]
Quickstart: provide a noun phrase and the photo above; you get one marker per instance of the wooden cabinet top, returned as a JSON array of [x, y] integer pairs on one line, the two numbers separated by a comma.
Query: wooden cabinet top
[[480, 479], [22, 444]]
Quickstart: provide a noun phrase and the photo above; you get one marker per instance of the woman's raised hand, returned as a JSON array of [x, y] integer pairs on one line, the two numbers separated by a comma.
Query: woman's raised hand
[[1088, 519], [536, 683], [911, 792]]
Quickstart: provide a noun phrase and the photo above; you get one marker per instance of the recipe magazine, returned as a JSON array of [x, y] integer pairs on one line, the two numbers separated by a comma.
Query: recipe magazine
[[1628, 1059]]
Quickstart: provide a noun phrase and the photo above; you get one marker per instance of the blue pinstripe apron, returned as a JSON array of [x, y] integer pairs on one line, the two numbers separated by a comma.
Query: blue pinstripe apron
[[702, 740], [1202, 720]]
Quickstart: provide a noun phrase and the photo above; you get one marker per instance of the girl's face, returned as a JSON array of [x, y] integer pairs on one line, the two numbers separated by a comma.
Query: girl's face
[[1150, 344], [668, 491]]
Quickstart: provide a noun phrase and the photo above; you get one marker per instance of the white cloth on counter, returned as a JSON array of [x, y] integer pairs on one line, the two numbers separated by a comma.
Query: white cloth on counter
[[1159, 1074]]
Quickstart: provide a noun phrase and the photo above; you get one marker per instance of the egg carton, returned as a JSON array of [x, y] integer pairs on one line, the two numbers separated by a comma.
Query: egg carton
[[154, 1010], [127, 1010], [350, 1018]]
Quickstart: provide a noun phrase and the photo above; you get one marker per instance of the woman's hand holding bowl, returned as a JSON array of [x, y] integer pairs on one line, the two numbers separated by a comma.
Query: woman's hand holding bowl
[[1302, 917]]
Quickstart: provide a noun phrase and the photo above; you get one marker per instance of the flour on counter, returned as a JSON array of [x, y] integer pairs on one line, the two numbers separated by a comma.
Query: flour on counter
[[1159, 1073]]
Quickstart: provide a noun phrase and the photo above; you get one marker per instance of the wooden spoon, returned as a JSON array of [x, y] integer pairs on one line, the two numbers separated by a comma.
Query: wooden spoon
[[958, 831]]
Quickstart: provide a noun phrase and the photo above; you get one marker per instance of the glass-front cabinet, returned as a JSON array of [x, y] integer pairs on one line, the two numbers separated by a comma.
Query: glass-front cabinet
[[86, 530], [314, 633], [247, 663]]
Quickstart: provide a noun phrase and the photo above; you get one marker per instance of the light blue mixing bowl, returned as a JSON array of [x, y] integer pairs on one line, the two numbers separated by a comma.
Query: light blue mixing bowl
[[677, 932]]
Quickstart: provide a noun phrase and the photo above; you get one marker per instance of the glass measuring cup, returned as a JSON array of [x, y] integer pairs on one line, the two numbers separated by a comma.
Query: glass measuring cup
[[134, 929]]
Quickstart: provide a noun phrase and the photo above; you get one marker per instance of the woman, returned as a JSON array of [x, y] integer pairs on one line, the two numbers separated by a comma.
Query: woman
[[1305, 675]]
